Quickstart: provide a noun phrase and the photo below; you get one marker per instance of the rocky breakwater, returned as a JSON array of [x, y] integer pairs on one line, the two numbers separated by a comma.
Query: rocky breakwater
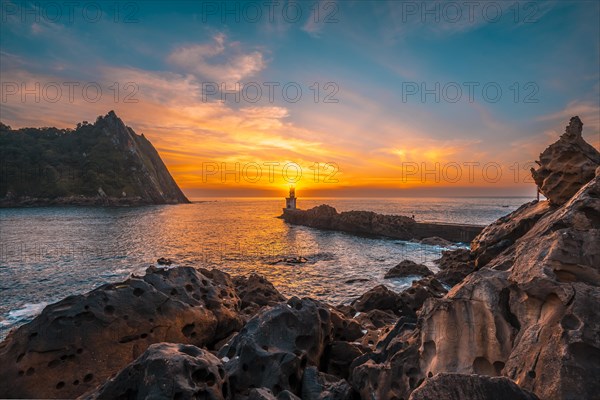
[[358, 222], [371, 223]]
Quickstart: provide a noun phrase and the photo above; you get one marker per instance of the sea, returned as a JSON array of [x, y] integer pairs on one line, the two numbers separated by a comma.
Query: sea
[[48, 253]]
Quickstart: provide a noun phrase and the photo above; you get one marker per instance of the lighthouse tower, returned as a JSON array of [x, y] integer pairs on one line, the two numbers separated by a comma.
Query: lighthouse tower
[[290, 202]]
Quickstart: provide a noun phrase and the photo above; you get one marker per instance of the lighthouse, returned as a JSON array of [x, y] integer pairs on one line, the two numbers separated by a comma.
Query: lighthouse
[[290, 202]]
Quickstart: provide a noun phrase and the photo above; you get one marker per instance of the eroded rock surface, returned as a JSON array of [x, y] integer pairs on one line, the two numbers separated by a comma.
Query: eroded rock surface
[[275, 346], [77, 343], [319, 386], [454, 266], [566, 165], [503, 233], [256, 292], [529, 311], [472, 387], [168, 371]]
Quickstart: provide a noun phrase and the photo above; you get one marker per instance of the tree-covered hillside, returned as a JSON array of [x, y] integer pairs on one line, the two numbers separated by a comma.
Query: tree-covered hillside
[[103, 161]]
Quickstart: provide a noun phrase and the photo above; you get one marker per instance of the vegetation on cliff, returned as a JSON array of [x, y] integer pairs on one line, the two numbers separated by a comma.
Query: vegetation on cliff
[[101, 163]]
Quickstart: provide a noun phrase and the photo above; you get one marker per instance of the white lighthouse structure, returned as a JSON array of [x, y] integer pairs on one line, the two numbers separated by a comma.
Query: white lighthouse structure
[[290, 202]]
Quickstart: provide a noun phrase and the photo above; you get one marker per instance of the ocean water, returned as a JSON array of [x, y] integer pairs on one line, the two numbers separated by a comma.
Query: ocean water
[[49, 253]]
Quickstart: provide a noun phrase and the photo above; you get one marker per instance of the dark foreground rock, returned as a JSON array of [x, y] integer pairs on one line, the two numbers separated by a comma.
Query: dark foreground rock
[[378, 298], [471, 387], [406, 303], [408, 268], [77, 343], [454, 266], [266, 394], [168, 371], [256, 292], [319, 386], [275, 347]]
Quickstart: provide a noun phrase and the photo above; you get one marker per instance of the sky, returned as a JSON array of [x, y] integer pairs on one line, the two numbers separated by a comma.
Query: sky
[[352, 98]]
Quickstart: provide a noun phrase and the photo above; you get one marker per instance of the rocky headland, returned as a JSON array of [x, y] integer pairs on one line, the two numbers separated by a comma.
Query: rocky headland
[[101, 164], [520, 321]]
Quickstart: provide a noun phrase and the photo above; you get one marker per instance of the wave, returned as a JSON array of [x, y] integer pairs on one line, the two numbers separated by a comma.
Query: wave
[[21, 315]]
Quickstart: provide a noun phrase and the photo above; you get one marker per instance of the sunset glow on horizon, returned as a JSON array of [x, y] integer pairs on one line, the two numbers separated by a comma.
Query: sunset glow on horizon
[[381, 118]]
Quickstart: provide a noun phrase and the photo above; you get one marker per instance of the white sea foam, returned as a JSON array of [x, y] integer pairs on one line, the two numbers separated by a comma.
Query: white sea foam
[[26, 312]]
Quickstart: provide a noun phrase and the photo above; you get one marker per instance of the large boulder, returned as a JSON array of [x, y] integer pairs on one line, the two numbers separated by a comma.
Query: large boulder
[[378, 298], [275, 346], [471, 387], [566, 165], [77, 343], [471, 330], [408, 268], [168, 371], [256, 292]]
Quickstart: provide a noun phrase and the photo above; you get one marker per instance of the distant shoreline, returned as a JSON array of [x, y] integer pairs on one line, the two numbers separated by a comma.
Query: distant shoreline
[[78, 201]]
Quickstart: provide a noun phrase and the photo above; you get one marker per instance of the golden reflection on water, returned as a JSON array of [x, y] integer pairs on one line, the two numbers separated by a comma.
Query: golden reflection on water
[[48, 253]]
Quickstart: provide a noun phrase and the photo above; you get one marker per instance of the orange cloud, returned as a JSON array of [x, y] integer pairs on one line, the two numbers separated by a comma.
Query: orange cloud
[[210, 145]]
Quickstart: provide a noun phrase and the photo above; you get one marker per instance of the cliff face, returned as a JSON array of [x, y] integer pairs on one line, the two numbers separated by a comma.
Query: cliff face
[[530, 310], [105, 163]]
